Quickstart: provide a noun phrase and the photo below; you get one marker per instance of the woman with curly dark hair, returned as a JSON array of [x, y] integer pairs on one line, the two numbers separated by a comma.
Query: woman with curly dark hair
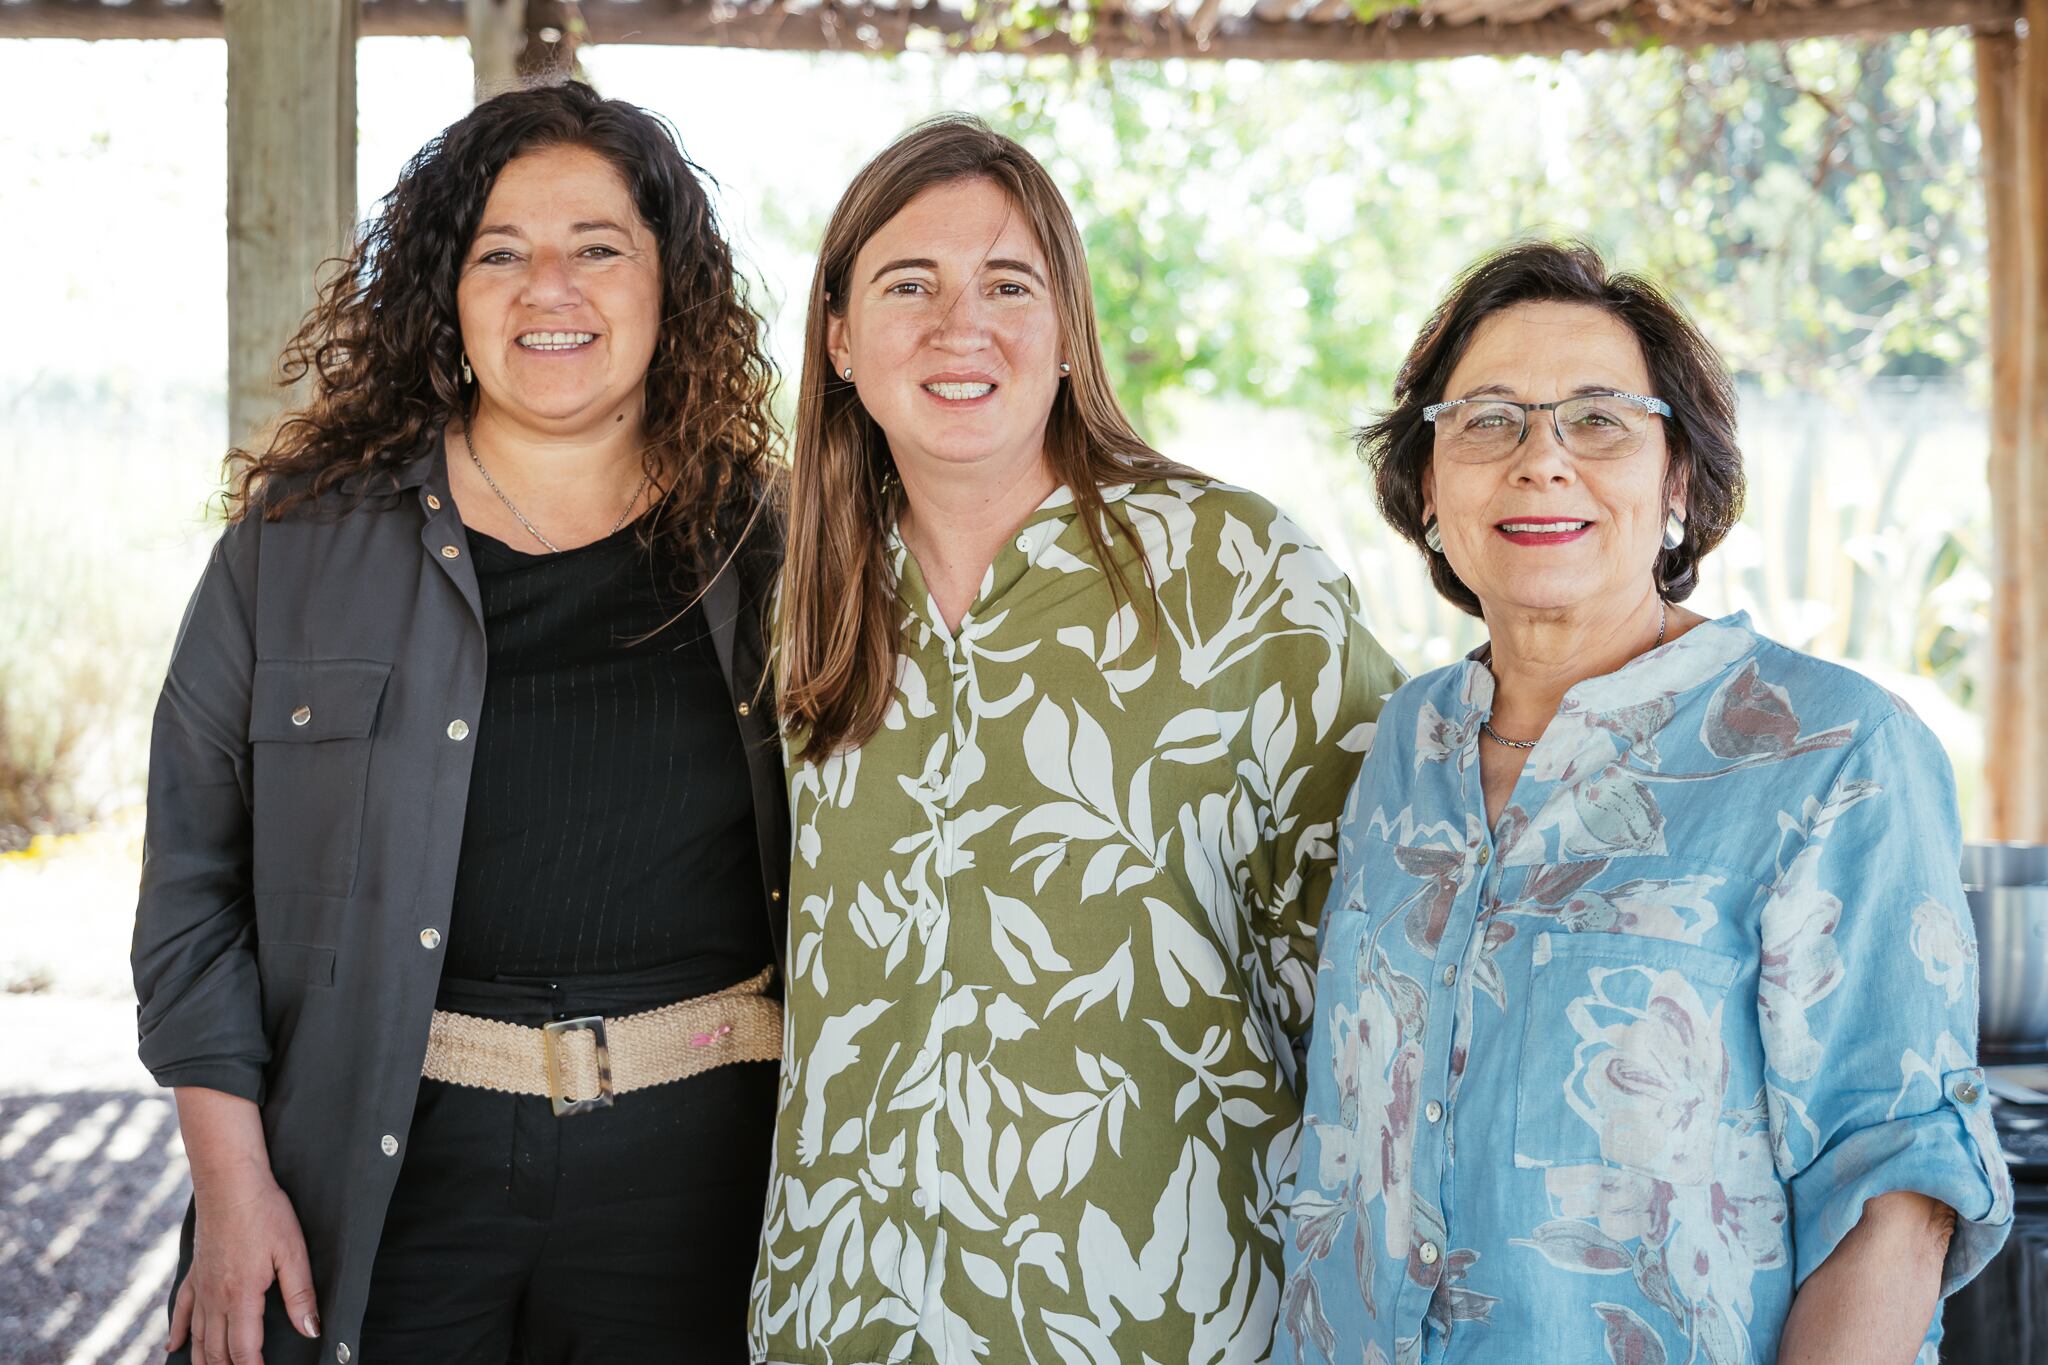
[[464, 868]]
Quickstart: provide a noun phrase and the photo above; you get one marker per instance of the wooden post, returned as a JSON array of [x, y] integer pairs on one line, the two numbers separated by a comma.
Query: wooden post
[[2012, 96], [291, 182], [2031, 820], [1998, 77], [554, 28], [497, 32]]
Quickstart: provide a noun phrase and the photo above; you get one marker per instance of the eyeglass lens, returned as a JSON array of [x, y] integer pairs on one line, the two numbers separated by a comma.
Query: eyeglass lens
[[1594, 426]]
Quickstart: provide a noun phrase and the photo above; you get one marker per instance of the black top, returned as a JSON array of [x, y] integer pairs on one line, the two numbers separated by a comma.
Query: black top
[[610, 826]]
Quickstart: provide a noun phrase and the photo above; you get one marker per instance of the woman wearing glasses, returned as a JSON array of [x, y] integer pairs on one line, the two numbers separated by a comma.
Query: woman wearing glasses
[[1646, 1000]]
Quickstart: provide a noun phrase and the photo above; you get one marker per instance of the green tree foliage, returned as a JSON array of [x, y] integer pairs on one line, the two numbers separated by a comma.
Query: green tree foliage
[[1279, 231]]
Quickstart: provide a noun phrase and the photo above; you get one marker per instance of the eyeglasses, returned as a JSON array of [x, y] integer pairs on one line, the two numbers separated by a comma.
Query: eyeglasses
[[1592, 426]]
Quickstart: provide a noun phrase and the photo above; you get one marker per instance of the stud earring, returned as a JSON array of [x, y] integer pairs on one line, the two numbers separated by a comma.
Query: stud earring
[[847, 374], [1433, 537], [467, 376], [1066, 369], [1674, 530]]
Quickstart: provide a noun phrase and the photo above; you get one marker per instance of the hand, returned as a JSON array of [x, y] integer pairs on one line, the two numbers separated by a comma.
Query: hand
[[244, 1237]]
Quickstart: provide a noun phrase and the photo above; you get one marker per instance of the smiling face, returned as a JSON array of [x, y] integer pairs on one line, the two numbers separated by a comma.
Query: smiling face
[[949, 327], [1542, 530], [560, 295]]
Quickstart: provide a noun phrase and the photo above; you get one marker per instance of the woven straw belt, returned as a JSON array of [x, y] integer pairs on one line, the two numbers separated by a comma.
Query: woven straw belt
[[738, 1024]]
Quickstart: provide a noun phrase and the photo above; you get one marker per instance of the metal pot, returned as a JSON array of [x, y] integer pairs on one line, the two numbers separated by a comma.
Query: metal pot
[[2007, 887]]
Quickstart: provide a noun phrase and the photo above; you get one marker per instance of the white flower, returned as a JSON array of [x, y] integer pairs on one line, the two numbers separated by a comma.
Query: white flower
[[1650, 1082]]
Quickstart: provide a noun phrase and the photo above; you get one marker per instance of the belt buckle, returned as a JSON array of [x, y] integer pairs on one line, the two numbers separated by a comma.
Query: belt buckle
[[551, 1036]]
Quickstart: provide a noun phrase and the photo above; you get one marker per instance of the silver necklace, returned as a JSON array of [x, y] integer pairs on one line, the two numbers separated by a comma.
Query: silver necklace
[[1663, 618], [533, 530]]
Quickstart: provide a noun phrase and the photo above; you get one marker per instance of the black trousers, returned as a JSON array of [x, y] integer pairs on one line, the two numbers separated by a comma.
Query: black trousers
[[624, 1235]]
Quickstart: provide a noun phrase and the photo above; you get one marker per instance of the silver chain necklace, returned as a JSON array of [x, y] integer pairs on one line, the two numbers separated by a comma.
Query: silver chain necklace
[[1663, 618], [533, 530]]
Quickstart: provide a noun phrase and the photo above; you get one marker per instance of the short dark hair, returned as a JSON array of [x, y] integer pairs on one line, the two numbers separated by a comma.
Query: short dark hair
[[1685, 371]]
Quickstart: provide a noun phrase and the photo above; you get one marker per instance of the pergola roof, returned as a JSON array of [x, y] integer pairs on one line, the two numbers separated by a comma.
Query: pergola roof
[[1333, 30]]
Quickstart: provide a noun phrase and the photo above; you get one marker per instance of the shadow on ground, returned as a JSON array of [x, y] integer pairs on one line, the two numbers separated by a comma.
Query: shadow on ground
[[92, 1190]]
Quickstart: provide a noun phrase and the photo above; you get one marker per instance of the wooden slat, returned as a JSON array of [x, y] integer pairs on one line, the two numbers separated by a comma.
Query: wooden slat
[[91, 19], [1162, 35], [830, 27]]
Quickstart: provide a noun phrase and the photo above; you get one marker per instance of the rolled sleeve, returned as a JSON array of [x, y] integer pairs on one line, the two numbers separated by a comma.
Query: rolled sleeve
[[1947, 1153], [1869, 1007], [199, 1003]]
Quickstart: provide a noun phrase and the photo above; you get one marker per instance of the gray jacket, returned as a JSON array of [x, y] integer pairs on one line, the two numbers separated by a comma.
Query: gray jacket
[[308, 780]]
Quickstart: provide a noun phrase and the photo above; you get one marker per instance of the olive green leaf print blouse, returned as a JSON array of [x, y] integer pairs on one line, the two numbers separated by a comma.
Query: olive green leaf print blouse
[[1052, 940]]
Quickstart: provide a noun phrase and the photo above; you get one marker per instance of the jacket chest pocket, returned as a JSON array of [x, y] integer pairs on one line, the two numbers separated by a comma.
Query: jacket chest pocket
[[310, 725], [1623, 1055]]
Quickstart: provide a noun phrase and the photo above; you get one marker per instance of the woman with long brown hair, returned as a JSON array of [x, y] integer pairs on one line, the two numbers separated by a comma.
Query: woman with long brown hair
[[1069, 728], [466, 839]]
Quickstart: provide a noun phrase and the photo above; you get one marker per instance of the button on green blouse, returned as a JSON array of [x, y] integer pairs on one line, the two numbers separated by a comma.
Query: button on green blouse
[[1052, 942]]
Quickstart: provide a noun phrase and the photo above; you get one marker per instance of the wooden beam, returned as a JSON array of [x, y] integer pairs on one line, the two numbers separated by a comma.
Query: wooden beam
[[291, 182], [832, 27], [91, 19], [496, 31]]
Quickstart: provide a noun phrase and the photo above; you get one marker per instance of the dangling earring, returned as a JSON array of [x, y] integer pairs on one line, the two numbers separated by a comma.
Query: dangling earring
[[1066, 369], [1674, 530], [1433, 537], [847, 374], [467, 377]]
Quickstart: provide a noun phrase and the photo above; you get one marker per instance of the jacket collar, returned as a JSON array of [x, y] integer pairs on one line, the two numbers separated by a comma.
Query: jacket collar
[[429, 465]]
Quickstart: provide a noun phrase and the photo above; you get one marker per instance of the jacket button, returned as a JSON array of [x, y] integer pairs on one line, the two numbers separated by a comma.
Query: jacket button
[[430, 938], [1450, 976], [1428, 1253], [389, 1144], [458, 729], [433, 503], [1966, 1092], [775, 896], [341, 1352], [745, 709], [302, 715], [450, 552]]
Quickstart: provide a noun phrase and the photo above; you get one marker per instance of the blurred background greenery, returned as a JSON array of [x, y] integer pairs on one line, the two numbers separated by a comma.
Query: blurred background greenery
[[1265, 240]]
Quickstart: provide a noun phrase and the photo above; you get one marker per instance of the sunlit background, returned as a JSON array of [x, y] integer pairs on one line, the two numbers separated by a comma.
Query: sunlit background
[[1265, 239]]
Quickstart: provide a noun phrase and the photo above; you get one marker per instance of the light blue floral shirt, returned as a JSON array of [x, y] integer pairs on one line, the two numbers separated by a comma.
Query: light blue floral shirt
[[1609, 1081]]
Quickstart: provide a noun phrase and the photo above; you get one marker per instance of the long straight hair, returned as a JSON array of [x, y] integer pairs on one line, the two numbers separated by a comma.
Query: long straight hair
[[837, 641]]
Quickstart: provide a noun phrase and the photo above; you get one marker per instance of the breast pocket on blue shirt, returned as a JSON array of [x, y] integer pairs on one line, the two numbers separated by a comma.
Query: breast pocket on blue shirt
[[1623, 1054]]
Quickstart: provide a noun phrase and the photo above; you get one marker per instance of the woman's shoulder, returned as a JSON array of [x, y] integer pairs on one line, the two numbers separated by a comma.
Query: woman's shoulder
[[1211, 500], [1241, 530], [1819, 696]]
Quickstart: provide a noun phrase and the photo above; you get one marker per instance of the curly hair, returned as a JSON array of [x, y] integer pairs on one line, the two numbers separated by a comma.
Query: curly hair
[[382, 344], [1685, 371]]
